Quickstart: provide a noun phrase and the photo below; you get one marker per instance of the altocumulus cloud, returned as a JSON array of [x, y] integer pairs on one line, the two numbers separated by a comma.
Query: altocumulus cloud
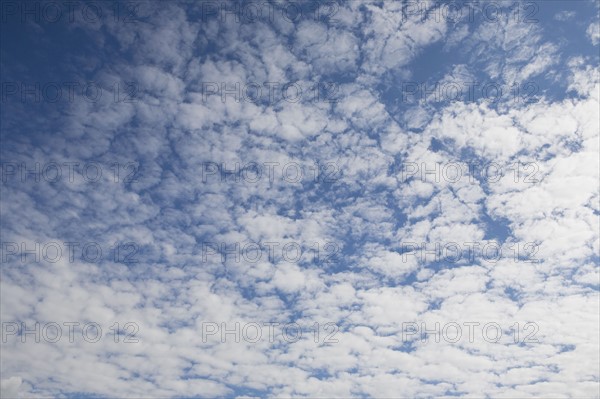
[[300, 199]]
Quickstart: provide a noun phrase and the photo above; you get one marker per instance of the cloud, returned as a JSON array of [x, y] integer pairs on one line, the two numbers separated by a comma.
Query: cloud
[[350, 173], [593, 32], [10, 387], [564, 15]]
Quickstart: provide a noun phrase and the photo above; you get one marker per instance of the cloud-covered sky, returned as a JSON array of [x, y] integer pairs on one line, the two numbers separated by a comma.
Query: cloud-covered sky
[[300, 199]]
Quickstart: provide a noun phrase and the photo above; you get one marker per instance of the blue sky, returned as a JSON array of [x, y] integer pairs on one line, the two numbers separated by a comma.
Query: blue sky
[[348, 168]]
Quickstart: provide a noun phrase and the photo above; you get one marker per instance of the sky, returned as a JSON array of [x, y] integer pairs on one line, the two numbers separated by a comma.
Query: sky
[[308, 199]]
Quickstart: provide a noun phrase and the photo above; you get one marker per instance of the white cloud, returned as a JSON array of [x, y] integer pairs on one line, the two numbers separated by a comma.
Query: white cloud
[[593, 32], [369, 287]]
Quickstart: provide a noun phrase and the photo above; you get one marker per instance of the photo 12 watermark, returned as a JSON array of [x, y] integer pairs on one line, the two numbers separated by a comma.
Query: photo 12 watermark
[[468, 91], [459, 252], [269, 251], [473, 331], [68, 91], [69, 251], [267, 93], [472, 172], [70, 11], [271, 171], [471, 11], [70, 331], [69, 172], [253, 332]]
